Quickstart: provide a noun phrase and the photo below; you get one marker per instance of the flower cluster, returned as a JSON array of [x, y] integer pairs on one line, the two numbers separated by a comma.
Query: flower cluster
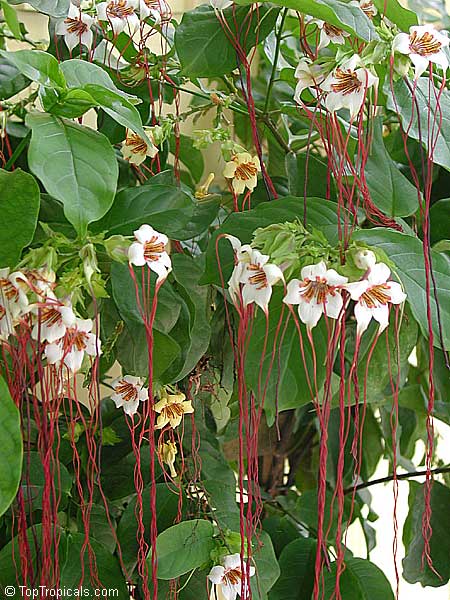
[[120, 15], [27, 298], [319, 291]]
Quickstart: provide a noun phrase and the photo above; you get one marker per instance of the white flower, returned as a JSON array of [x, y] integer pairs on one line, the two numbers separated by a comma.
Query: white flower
[[347, 86], [367, 6], [70, 349], [13, 296], [120, 14], [365, 259], [220, 4], [159, 10], [128, 392], [329, 34], [424, 45], [6, 322], [373, 296], [242, 255], [308, 75], [243, 170], [76, 28], [317, 293], [227, 579], [54, 318], [258, 277], [171, 409], [150, 249], [135, 149]]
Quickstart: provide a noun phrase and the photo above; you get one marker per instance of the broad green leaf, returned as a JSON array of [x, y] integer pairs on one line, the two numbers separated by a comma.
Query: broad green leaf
[[76, 165], [390, 190], [166, 208], [184, 547], [19, 207], [282, 364], [53, 8], [336, 12], [191, 157], [99, 528], [440, 220], [12, 449], [11, 79], [202, 45], [71, 104], [79, 568], [38, 66], [434, 120], [414, 570], [33, 481], [267, 569], [320, 213], [397, 13], [405, 251], [222, 500], [167, 508], [10, 16], [296, 580], [361, 580], [307, 176], [79, 73]]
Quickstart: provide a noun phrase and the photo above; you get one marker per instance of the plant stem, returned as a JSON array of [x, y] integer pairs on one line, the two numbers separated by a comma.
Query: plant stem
[[388, 478], [17, 152]]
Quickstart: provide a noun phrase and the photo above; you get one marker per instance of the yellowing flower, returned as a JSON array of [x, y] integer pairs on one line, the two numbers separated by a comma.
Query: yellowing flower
[[243, 171], [171, 409], [203, 190], [135, 149], [168, 452]]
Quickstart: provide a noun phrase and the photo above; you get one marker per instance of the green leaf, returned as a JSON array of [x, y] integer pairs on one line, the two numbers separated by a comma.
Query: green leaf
[[53, 8], [38, 66], [390, 190], [33, 481], [184, 547], [79, 73], [405, 251], [12, 449], [71, 104], [165, 207], [413, 570], [10, 16], [396, 13], [439, 220], [296, 580], [167, 508], [11, 79], [361, 580], [434, 119], [267, 569], [307, 175], [76, 165], [191, 157], [203, 46], [19, 207], [77, 569], [336, 12], [320, 213], [222, 501], [287, 386]]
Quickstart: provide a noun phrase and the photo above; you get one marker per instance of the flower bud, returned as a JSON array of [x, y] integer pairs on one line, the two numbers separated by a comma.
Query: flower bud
[[365, 259]]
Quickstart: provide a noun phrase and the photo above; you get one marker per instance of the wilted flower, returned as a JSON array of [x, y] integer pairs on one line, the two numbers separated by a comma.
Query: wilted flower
[[424, 45], [227, 579], [120, 14], [171, 409], [76, 28], [202, 191], [128, 392], [71, 348], [150, 249], [373, 296], [167, 453], [318, 293], [243, 170], [258, 277], [135, 149], [347, 86]]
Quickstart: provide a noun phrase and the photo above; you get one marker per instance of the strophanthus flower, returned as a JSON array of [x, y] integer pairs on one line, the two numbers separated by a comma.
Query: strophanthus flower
[[71, 348], [367, 6], [13, 295], [227, 578], [308, 75], [76, 28], [120, 14], [53, 319], [258, 276], [243, 171], [424, 45], [171, 409], [150, 249], [167, 452], [329, 34], [135, 149], [373, 295], [347, 86], [220, 4], [129, 391], [159, 10], [317, 293], [242, 253]]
